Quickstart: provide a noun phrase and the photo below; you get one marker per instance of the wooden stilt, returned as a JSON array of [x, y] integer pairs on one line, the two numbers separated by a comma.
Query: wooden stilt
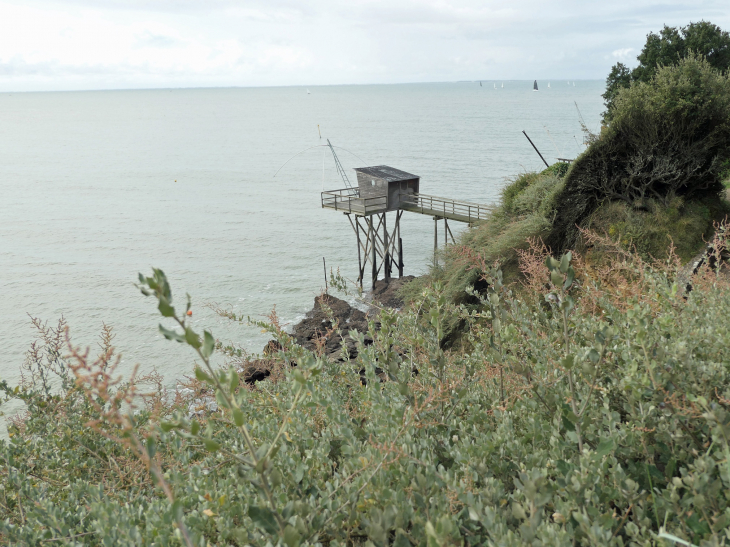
[[449, 229], [359, 258], [373, 255], [435, 239], [386, 257]]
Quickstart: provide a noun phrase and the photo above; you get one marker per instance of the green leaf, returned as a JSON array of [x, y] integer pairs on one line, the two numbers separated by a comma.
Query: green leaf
[[565, 262], [165, 308], [192, 338], [237, 417], [605, 447], [233, 379], [299, 377], [556, 278], [208, 344], [697, 526], [569, 279], [276, 477], [195, 427], [401, 539], [177, 510], [568, 362], [263, 518], [151, 446], [171, 334], [167, 426], [292, 538], [203, 376], [211, 445]]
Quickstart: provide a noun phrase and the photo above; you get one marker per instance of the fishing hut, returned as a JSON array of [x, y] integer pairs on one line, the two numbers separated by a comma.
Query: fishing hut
[[381, 190]]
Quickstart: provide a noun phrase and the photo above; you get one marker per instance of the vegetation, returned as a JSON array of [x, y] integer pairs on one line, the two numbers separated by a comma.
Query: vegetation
[[596, 412], [587, 401], [666, 49], [653, 179], [668, 138]]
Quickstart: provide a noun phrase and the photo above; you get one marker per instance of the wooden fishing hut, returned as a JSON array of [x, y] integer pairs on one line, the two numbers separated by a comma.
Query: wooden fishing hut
[[382, 189]]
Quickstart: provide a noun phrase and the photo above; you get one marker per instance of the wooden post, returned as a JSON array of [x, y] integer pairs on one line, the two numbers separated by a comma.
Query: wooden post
[[400, 247], [435, 239], [359, 258], [324, 264], [386, 256], [373, 255]]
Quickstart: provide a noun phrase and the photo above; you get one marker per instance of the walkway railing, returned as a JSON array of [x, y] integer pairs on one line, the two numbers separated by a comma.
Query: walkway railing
[[348, 200], [462, 211]]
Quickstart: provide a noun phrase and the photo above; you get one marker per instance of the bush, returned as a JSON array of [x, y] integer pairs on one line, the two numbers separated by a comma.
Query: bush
[[669, 137], [599, 415], [658, 230]]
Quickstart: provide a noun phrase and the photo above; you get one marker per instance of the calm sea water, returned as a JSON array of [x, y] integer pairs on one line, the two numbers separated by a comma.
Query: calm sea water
[[98, 186]]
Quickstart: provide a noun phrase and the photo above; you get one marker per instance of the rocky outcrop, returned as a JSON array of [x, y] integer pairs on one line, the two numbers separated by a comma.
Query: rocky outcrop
[[318, 328], [385, 293]]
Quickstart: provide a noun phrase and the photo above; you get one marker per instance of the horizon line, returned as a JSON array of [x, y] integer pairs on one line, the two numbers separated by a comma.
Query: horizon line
[[306, 86]]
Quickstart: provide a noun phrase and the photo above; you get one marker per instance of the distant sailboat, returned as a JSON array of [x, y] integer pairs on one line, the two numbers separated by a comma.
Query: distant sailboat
[[495, 86], [502, 85], [308, 93], [573, 84], [480, 84], [548, 85], [534, 86]]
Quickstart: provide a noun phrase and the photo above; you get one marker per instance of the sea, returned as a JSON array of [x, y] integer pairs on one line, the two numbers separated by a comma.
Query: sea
[[220, 188]]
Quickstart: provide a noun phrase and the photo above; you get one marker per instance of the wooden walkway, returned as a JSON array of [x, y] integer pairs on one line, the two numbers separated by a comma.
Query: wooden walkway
[[348, 200], [450, 209]]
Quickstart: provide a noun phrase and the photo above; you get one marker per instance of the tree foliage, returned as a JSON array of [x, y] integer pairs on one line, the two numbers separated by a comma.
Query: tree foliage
[[669, 137], [667, 48]]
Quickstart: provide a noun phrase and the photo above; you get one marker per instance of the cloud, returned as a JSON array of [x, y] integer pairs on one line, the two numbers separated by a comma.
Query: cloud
[[69, 44], [147, 39], [622, 53]]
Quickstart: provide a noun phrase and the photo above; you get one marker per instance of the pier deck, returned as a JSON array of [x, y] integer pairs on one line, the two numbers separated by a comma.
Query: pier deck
[[348, 200]]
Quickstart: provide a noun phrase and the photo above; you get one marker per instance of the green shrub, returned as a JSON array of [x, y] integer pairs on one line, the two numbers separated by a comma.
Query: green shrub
[[653, 231], [669, 137], [563, 425]]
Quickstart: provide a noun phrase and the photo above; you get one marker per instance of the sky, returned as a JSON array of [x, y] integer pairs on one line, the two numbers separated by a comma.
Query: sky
[[121, 44]]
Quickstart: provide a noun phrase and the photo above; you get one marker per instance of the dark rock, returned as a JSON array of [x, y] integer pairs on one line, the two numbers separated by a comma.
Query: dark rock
[[385, 293], [317, 328]]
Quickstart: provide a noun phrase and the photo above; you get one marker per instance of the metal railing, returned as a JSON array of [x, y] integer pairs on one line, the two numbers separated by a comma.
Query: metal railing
[[348, 200], [452, 209]]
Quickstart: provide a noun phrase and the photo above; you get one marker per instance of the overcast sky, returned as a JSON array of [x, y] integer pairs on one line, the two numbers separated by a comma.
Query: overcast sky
[[112, 44]]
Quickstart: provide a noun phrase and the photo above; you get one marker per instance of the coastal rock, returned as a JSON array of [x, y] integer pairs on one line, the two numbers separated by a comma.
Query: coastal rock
[[317, 329], [385, 293]]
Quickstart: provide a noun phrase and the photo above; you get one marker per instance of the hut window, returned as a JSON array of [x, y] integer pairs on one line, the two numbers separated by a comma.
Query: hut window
[[372, 182]]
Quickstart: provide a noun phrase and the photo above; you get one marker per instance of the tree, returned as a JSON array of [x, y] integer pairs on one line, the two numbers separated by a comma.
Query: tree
[[666, 49], [667, 137]]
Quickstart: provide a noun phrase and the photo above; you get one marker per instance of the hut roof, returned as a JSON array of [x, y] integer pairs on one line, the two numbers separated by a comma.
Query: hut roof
[[389, 174]]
